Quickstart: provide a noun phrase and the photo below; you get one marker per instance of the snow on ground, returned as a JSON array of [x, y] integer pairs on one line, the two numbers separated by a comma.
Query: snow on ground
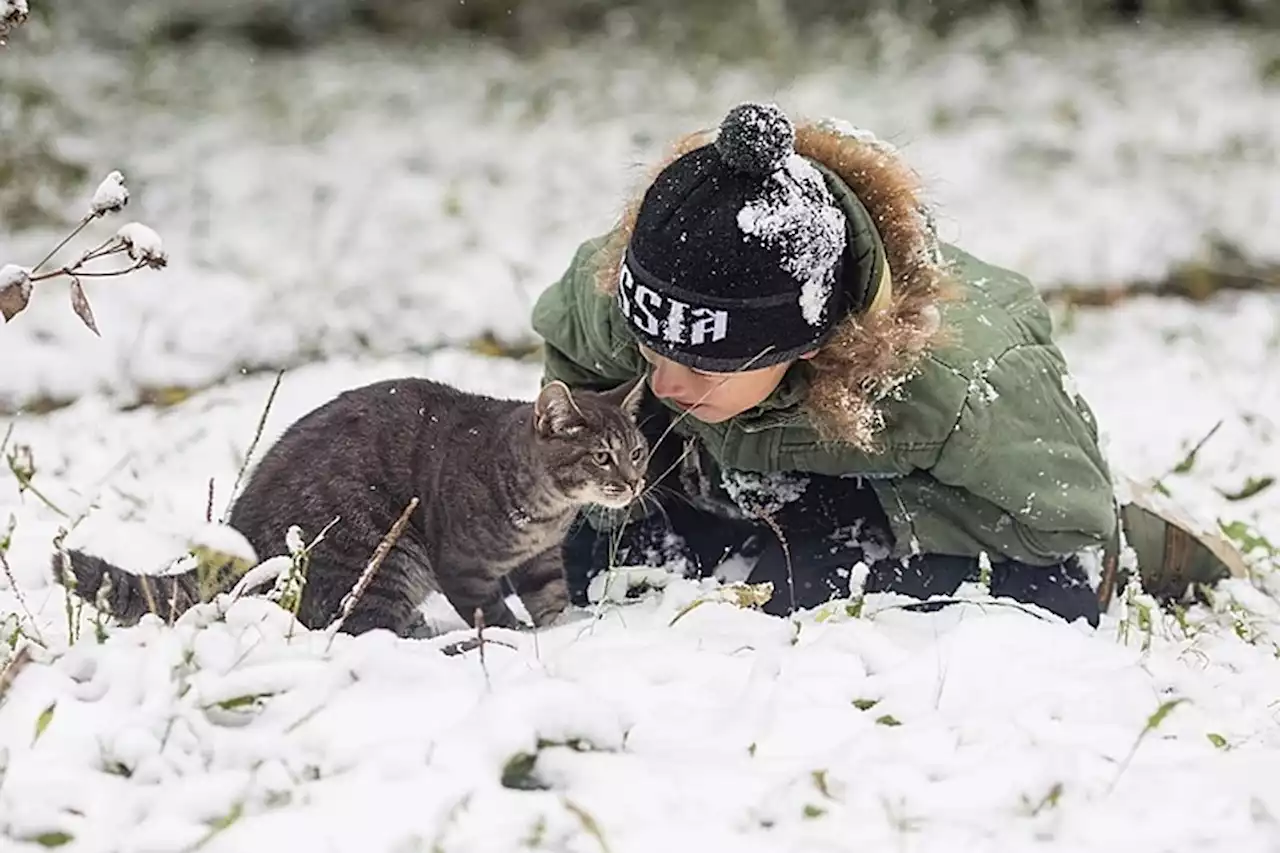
[[360, 221], [978, 728]]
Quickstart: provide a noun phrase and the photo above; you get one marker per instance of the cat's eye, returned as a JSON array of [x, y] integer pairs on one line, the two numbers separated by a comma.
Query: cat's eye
[[637, 454], [601, 457]]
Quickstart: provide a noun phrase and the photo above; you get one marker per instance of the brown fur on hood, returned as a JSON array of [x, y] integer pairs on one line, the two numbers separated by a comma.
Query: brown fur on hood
[[871, 355]]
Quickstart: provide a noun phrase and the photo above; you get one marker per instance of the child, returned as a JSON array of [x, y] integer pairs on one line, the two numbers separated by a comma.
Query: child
[[831, 385]]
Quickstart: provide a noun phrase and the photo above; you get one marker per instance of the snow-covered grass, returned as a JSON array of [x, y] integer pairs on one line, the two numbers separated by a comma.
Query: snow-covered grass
[[360, 216], [982, 727]]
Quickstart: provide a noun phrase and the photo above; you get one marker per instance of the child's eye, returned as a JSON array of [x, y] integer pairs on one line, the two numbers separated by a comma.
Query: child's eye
[[601, 457]]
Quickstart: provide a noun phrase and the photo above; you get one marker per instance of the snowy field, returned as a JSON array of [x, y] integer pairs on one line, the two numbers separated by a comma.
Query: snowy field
[[354, 216]]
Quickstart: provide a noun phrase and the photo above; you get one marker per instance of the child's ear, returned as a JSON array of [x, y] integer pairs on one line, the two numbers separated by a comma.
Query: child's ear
[[555, 412]]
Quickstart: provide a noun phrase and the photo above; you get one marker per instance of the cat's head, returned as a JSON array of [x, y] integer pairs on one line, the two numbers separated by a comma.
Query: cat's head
[[590, 444]]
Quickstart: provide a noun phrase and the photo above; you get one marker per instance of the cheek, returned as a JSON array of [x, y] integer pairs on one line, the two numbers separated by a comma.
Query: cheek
[[741, 393]]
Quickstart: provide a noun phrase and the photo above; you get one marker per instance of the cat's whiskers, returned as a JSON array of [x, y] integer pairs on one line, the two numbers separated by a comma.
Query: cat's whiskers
[[645, 500], [668, 492]]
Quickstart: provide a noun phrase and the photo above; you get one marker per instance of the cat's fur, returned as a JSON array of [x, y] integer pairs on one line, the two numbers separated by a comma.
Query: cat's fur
[[499, 483]]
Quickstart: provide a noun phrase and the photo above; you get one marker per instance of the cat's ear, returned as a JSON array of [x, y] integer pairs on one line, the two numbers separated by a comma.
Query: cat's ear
[[555, 412], [628, 396]]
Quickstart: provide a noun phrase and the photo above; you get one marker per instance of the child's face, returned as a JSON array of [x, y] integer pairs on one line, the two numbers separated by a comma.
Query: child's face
[[711, 397]]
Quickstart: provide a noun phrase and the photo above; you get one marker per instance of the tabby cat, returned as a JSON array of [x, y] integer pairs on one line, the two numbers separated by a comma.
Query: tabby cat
[[499, 483]]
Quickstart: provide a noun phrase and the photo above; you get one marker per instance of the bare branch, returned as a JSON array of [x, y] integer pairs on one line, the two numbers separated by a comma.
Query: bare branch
[[65, 240], [22, 599], [253, 445], [352, 598], [11, 669], [484, 665]]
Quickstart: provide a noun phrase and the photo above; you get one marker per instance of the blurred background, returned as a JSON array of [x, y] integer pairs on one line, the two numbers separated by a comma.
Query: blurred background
[[382, 178]]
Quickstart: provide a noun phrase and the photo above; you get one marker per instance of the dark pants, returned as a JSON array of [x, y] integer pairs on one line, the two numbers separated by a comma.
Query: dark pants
[[833, 524]]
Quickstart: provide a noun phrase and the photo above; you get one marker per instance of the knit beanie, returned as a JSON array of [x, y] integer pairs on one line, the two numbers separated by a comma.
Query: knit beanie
[[737, 251]]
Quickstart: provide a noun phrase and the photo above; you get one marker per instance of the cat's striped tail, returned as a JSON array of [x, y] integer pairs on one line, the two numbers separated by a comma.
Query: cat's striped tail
[[122, 594]]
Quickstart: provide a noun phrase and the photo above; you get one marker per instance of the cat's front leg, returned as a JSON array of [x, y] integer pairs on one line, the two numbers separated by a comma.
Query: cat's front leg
[[469, 591], [541, 585]]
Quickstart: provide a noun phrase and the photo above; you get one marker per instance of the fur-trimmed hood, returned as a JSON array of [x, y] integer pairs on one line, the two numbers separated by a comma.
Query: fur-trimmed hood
[[874, 352]]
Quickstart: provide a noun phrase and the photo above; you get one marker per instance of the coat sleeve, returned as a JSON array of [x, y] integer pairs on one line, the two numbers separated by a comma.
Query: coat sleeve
[[1039, 462], [584, 345]]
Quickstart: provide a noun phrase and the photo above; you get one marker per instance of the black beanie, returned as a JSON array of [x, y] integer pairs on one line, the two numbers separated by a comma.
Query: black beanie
[[737, 251]]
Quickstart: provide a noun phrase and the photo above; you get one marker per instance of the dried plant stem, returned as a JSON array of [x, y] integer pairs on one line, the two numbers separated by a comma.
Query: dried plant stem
[[253, 445], [58, 248], [68, 581], [110, 246], [208, 505], [173, 605], [11, 669], [484, 665], [13, 584], [352, 598], [786, 554], [25, 485], [76, 272], [145, 583]]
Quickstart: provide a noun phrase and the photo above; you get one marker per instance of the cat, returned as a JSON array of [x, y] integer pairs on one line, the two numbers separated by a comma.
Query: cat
[[499, 483]]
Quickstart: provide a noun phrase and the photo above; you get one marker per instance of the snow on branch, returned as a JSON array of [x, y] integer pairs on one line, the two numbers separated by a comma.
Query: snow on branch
[[139, 243], [12, 14]]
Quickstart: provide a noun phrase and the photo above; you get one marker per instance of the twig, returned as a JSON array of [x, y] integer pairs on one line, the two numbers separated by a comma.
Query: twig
[[11, 669], [936, 601], [173, 604], [786, 554], [22, 600], [388, 542], [83, 223], [588, 821], [253, 445], [68, 578], [484, 666], [1188, 459], [24, 477], [144, 583], [460, 647], [113, 245], [208, 506], [74, 270]]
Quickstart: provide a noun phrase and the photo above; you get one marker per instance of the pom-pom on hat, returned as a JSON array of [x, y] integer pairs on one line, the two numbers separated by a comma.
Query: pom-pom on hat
[[736, 256]]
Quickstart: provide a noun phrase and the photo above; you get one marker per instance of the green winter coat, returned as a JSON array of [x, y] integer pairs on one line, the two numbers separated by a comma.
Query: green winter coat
[[988, 448], [985, 449]]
